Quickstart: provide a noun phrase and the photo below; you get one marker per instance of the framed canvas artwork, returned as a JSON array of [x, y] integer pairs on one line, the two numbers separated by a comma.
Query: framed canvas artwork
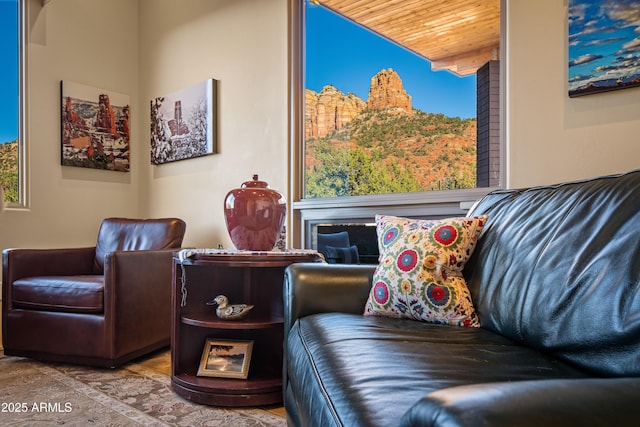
[[95, 127], [183, 123], [604, 46]]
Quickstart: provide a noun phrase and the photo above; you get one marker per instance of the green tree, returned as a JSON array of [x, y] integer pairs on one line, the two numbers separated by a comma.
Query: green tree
[[342, 171], [329, 176], [9, 183], [383, 152], [9, 171], [376, 177]]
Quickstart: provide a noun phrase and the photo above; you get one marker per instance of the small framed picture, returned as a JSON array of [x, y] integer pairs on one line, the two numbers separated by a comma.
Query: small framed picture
[[225, 359]]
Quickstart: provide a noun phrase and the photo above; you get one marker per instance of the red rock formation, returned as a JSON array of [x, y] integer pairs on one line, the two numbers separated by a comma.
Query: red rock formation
[[106, 117], [70, 115], [386, 92], [74, 125], [329, 110]]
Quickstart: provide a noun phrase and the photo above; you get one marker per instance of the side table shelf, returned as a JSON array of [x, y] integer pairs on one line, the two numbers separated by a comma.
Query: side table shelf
[[244, 277], [210, 320]]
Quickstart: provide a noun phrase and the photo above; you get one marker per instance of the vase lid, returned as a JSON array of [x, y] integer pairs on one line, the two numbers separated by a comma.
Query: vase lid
[[255, 183]]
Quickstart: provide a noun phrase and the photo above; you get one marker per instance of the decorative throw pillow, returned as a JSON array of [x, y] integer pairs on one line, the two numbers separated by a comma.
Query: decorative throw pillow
[[342, 255], [419, 275]]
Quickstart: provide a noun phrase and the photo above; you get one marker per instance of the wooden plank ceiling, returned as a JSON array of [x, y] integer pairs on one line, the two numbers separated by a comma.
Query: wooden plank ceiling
[[455, 35]]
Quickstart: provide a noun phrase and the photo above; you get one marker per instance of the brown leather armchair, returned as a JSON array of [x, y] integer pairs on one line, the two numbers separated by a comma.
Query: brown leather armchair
[[100, 306]]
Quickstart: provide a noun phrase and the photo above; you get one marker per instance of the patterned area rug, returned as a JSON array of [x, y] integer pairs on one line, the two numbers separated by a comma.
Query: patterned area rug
[[39, 394]]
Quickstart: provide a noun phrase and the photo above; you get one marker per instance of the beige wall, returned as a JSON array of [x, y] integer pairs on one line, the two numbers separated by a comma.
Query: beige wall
[[551, 137], [94, 43], [152, 47], [243, 45]]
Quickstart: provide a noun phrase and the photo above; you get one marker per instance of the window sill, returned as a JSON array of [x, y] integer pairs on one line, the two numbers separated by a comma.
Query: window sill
[[363, 209]]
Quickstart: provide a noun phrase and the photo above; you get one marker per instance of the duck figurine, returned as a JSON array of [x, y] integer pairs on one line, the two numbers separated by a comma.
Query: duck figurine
[[228, 311]]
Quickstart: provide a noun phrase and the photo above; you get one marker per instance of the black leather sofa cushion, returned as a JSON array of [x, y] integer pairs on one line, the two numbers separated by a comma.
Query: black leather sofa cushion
[[557, 269], [376, 368], [72, 294]]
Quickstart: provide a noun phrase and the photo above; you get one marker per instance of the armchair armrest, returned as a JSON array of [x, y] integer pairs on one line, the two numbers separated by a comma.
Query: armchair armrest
[[19, 263], [549, 403], [311, 288], [137, 291]]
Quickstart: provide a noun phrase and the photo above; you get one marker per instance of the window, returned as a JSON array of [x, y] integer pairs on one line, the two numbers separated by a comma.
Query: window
[[372, 143], [378, 120], [11, 146]]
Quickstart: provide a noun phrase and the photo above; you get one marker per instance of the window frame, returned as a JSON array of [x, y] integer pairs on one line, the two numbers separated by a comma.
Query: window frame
[[306, 214], [23, 187]]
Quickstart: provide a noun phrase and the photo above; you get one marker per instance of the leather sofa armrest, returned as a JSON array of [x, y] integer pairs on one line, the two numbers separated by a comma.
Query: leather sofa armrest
[[549, 403], [137, 291], [311, 288]]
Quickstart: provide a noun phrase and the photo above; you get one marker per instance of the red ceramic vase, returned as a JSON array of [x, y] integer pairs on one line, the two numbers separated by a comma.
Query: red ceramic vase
[[254, 215]]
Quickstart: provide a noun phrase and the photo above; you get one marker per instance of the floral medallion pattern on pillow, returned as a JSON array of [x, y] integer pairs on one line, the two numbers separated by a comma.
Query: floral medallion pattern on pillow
[[419, 275]]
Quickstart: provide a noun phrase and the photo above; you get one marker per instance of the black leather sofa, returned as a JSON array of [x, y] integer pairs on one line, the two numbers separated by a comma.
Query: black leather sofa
[[555, 280]]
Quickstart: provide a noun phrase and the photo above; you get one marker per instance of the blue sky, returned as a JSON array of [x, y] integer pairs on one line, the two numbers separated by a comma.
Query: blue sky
[[8, 71], [604, 40], [347, 56]]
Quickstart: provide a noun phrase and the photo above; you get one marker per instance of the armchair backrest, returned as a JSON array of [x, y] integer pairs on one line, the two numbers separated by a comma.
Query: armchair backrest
[[336, 248], [124, 234], [338, 240]]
